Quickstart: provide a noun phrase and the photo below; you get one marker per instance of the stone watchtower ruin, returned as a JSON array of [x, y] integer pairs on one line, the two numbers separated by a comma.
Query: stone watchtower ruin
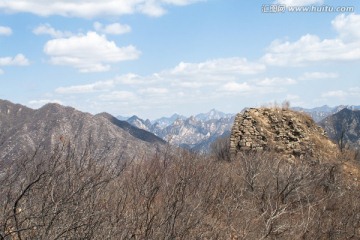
[[292, 134]]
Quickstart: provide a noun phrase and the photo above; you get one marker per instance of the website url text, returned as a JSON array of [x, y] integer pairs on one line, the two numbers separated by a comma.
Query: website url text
[[280, 8]]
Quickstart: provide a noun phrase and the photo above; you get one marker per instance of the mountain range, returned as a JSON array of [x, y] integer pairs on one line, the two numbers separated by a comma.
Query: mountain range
[[24, 130], [200, 131], [195, 133]]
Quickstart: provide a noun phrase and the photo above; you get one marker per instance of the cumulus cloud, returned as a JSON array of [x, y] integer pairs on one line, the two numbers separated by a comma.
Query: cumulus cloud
[[86, 88], [222, 66], [299, 2], [184, 84], [91, 8], [153, 91], [18, 60], [88, 53], [348, 27], [114, 28], [311, 48], [118, 96], [48, 30], [185, 77], [276, 82], [347, 93], [236, 87], [318, 75], [337, 93], [5, 31]]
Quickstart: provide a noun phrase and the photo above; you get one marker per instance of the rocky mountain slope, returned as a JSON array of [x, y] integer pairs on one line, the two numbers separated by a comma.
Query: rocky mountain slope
[[343, 127], [196, 134], [292, 134], [24, 131]]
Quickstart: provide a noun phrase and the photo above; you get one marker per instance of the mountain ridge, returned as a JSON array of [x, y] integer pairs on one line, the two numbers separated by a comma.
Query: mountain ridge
[[25, 130]]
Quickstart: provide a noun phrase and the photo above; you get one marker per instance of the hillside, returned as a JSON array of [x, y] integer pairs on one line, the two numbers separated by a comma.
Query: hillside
[[343, 127], [24, 131]]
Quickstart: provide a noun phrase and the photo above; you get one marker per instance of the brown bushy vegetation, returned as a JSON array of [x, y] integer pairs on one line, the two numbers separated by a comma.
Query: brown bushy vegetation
[[176, 196]]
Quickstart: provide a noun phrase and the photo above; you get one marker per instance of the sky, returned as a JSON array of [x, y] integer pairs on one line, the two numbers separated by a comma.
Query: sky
[[153, 58]]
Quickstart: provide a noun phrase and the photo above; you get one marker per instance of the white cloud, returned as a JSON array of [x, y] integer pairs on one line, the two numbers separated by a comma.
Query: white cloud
[[118, 96], [18, 60], [318, 75], [190, 84], [90, 8], [88, 53], [310, 48], [42, 102], [1, 71], [188, 78], [47, 29], [236, 87], [221, 66], [267, 82], [337, 93], [299, 2], [292, 97], [6, 31], [348, 93], [183, 85], [153, 91], [87, 88], [348, 27], [115, 28], [101, 86]]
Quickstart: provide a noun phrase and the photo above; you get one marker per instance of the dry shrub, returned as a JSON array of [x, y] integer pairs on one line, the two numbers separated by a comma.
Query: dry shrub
[[176, 195]]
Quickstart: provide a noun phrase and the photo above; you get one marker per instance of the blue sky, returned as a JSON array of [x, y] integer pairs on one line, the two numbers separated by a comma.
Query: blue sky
[[153, 58]]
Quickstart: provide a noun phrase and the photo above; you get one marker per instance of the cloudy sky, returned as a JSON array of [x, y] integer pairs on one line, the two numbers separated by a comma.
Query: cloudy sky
[[157, 57]]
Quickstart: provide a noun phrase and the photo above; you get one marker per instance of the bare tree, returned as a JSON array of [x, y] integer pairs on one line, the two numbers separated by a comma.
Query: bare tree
[[177, 195], [221, 148]]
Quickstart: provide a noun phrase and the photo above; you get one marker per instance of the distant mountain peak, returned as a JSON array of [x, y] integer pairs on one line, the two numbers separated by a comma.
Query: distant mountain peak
[[213, 114], [133, 117]]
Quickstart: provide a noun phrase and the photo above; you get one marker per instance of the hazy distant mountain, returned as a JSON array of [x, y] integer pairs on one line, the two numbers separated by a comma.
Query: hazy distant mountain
[[122, 118], [24, 130], [139, 123], [345, 125], [213, 115], [319, 113], [166, 121], [196, 132]]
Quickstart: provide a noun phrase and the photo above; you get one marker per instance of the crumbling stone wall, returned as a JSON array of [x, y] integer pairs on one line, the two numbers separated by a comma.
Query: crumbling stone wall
[[290, 133]]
